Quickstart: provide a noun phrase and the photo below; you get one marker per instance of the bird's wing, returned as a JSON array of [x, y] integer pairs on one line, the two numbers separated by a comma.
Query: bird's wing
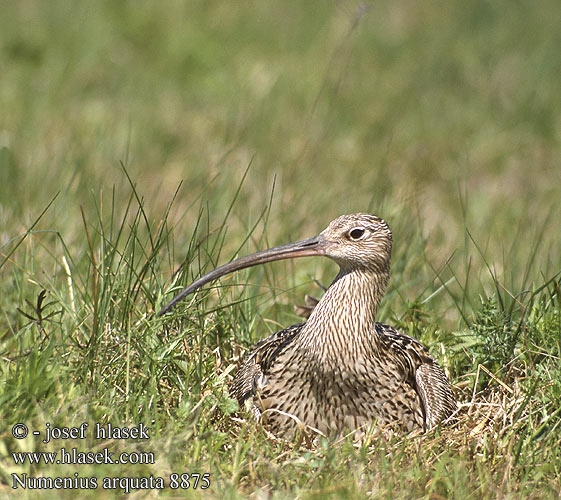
[[252, 372], [424, 373], [436, 393]]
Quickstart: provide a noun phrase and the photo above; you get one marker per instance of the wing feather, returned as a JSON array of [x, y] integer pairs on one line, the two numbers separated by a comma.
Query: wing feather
[[424, 373], [253, 370]]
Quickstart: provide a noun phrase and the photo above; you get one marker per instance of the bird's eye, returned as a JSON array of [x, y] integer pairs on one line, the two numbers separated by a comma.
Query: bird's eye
[[357, 233]]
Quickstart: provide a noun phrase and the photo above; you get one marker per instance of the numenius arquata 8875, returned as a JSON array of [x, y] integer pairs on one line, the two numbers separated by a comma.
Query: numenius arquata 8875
[[341, 370]]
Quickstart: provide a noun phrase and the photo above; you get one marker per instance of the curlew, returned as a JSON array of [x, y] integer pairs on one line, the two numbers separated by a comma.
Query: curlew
[[341, 370]]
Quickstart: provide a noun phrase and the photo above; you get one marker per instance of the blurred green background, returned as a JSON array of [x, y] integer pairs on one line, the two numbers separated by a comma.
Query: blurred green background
[[439, 116]]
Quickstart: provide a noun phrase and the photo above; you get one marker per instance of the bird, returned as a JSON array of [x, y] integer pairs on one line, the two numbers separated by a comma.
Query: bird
[[341, 371]]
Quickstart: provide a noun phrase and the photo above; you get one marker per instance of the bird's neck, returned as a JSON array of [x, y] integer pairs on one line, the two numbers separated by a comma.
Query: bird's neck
[[344, 319]]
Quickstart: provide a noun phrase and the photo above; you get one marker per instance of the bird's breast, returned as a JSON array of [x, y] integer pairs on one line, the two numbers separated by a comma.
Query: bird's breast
[[331, 396]]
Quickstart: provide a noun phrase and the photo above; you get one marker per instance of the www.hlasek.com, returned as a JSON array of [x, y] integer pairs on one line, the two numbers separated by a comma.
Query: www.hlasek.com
[[72, 455]]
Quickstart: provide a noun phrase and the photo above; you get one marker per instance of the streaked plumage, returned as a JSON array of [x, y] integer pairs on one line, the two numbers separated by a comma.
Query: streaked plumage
[[340, 370]]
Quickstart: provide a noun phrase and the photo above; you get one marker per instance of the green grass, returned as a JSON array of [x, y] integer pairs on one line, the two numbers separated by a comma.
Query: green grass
[[142, 143]]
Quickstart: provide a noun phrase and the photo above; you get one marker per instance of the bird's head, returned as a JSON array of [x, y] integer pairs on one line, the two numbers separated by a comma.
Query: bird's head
[[360, 241], [356, 241]]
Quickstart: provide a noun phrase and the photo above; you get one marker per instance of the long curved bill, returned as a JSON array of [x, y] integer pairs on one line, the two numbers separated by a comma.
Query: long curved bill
[[305, 248]]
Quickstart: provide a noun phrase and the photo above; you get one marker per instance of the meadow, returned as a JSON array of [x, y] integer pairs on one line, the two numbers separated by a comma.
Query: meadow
[[143, 143]]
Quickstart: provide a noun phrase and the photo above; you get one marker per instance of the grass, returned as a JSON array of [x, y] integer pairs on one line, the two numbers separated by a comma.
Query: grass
[[142, 143]]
